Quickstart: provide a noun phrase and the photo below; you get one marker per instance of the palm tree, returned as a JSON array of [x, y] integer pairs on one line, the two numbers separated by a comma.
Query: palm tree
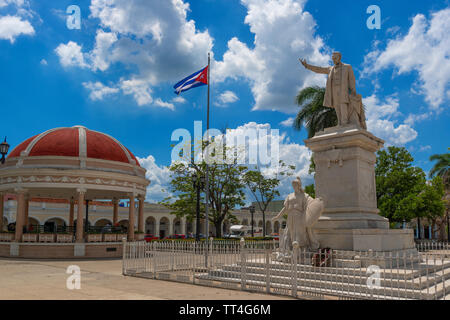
[[313, 115], [441, 167]]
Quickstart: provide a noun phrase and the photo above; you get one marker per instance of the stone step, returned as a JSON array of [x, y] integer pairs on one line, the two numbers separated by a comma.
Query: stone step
[[382, 259], [346, 263], [401, 273], [285, 276], [332, 287]]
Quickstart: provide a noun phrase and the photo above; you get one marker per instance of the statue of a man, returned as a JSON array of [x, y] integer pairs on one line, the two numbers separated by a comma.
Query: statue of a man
[[340, 92]]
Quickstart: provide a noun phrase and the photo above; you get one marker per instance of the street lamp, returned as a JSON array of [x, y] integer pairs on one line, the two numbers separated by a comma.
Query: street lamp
[[198, 184], [252, 211], [4, 147]]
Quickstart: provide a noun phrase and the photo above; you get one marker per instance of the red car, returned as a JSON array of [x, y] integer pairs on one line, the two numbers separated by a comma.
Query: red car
[[276, 236], [150, 237]]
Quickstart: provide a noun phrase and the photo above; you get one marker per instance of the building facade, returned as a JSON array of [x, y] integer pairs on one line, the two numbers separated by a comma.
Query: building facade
[[158, 219]]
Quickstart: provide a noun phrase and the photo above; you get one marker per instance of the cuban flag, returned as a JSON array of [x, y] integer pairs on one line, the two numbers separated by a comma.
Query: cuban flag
[[197, 79]]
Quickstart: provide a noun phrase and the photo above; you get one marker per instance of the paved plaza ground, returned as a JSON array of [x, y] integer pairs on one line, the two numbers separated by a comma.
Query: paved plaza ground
[[100, 279]]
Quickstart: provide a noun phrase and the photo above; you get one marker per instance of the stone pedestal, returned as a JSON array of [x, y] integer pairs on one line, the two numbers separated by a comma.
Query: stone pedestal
[[344, 160]]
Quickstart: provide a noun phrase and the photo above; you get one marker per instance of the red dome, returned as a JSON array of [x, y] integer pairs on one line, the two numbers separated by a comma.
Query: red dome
[[74, 142]]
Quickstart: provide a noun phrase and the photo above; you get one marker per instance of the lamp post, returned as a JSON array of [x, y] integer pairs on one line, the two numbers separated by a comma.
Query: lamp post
[[4, 147], [448, 228], [252, 211], [198, 185]]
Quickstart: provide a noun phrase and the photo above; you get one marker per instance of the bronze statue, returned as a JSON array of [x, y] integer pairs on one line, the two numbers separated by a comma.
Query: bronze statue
[[340, 92]]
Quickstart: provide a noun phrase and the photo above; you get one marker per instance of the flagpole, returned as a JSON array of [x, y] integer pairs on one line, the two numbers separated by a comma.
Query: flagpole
[[207, 169]]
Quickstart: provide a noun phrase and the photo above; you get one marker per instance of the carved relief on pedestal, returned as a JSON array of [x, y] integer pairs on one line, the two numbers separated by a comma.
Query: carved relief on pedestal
[[367, 188], [333, 155]]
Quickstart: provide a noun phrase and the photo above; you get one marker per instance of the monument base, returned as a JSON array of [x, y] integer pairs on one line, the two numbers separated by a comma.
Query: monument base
[[351, 219], [366, 239], [345, 160]]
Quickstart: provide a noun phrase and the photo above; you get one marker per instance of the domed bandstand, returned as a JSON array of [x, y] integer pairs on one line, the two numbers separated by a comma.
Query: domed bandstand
[[78, 165]]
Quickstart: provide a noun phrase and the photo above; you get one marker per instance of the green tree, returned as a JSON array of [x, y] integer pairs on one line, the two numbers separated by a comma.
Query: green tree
[[263, 188], [226, 191], [313, 115], [312, 165], [310, 190], [432, 206], [441, 167], [398, 184]]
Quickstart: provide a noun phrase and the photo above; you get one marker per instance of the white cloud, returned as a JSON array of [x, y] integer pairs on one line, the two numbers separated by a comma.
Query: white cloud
[[283, 33], [98, 90], [153, 39], [425, 49], [424, 148], [291, 154], [70, 55], [159, 179], [139, 89], [18, 3], [164, 104], [386, 128], [179, 99], [226, 98], [100, 54], [44, 62], [298, 155], [288, 122], [13, 26], [17, 22], [413, 118]]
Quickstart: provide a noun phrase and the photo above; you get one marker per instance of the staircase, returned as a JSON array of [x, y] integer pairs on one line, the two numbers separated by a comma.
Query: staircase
[[346, 277]]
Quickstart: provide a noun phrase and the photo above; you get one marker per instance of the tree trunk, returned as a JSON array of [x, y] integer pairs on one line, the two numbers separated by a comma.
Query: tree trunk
[[218, 225], [442, 232], [264, 223], [419, 229], [433, 229]]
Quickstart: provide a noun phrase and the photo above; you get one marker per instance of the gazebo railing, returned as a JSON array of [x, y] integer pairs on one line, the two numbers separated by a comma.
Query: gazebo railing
[[72, 229]]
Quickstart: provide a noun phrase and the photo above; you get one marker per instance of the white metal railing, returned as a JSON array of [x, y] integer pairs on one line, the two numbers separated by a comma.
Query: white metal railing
[[433, 246], [250, 265]]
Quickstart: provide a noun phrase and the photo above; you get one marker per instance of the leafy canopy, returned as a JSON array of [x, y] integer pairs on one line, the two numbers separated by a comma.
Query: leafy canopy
[[398, 184]]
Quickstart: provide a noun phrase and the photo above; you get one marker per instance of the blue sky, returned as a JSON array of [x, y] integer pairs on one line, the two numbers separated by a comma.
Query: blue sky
[[116, 73]]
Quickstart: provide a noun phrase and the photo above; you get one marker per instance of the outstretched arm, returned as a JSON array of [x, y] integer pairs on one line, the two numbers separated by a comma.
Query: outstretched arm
[[280, 214], [324, 70]]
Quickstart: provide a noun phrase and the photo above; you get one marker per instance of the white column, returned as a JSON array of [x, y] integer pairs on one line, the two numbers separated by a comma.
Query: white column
[[141, 222], [131, 219], [183, 226], [20, 214], [71, 211], [79, 234], [170, 230], [115, 211], [157, 222], [27, 208]]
